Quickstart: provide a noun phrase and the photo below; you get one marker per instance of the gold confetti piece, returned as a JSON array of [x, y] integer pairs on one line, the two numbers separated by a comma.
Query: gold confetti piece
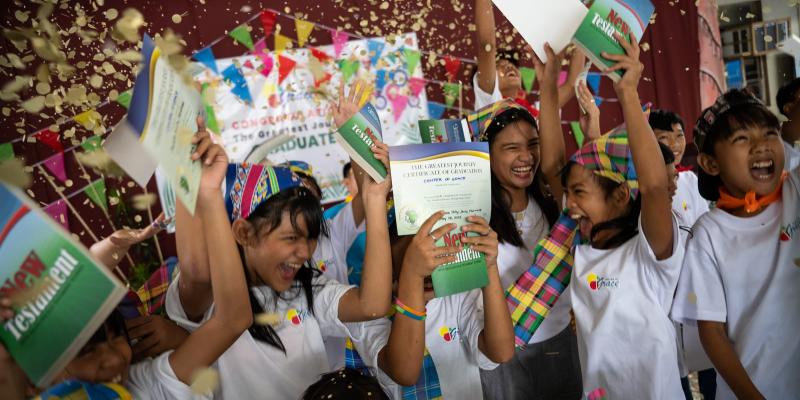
[[184, 135], [13, 172], [204, 381], [100, 162], [21, 16], [692, 298], [137, 218], [16, 85], [33, 105], [767, 39], [265, 319], [645, 46], [142, 202], [176, 18], [43, 88], [96, 81], [111, 14]]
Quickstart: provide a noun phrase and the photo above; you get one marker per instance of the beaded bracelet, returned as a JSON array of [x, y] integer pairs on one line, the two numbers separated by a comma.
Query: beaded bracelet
[[408, 311]]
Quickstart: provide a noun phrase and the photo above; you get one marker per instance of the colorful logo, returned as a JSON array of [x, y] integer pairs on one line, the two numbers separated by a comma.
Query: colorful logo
[[598, 282], [787, 232], [322, 266], [296, 317], [448, 334]]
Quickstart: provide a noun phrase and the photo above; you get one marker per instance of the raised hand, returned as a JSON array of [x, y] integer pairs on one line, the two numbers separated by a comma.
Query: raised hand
[[349, 105], [629, 62], [590, 114], [422, 256], [152, 335], [368, 185], [548, 72], [486, 242], [213, 156]]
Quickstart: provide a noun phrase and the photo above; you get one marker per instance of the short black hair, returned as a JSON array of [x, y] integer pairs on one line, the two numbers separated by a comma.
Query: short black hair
[[787, 94], [669, 156], [345, 384], [664, 120], [346, 169]]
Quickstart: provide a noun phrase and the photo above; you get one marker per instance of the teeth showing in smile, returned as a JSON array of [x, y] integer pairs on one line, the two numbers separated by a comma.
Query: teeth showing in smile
[[762, 164], [117, 379], [522, 170]]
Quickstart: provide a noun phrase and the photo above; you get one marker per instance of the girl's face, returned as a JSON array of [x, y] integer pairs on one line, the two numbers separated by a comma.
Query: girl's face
[[674, 139], [105, 362], [515, 155], [275, 257], [750, 159], [589, 203]]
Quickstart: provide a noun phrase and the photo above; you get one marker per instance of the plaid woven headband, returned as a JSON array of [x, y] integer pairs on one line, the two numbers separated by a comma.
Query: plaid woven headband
[[536, 291], [480, 121], [724, 103], [249, 185]]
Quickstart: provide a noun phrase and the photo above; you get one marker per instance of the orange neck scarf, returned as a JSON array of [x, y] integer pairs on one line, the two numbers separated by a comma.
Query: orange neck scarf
[[750, 203]]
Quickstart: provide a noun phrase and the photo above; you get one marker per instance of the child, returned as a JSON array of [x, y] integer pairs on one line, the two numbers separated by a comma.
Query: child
[[523, 161], [622, 281], [741, 270], [275, 237], [434, 347], [787, 103]]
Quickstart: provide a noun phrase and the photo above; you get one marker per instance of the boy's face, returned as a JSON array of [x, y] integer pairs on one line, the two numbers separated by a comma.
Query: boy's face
[[672, 180], [674, 139], [508, 77], [750, 159]]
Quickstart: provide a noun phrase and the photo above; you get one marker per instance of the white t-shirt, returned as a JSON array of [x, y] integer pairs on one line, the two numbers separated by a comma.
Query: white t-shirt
[[513, 261], [483, 99], [744, 272], [254, 370], [155, 379], [452, 327], [791, 156], [626, 340], [687, 203]]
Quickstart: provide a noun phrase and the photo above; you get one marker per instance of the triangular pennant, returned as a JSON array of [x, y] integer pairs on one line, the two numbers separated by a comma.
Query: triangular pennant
[[304, 29], [381, 77], [598, 100], [58, 211], [6, 151], [320, 55], [417, 85], [96, 191], [339, 41], [435, 110], [267, 67], [50, 138], [234, 77], [281, 43], [241, 34], [89, 119], [348, 68], [124, 98], [326, 78], [452, 65], [593, 80], [260, 48], [249, 64], [452, 91], [562, 78], [206, 57], [269, 89], [55, 164], [316, 68], [285, 67], [211, 116], [268, 21], [578, 132], [92, 143], [528, 77], [399, 104], [375, 50], [412, 60]]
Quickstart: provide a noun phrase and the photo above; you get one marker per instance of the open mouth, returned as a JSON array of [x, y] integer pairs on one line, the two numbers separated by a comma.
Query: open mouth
[[288, 270], [763, 170], [522, 172], [584, 225]]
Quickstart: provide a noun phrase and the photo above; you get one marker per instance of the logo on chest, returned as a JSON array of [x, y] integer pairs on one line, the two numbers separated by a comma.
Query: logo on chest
[[600, 282], [296, 317], [448, 334], [788, 231]]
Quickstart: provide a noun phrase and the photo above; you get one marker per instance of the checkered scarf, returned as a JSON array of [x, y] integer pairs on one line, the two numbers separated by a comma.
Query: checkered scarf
[[536, 291], [427, 386], [74, 389], [249, 185], [149, 299]]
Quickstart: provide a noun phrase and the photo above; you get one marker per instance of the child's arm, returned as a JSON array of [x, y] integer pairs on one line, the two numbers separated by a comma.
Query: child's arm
[[551, 138], [110, 250], [401, 358], [372, 298], [719, 349], [589, 120], [487, 45], [496, 340], [566, 91], [651, 171], [232, 314]]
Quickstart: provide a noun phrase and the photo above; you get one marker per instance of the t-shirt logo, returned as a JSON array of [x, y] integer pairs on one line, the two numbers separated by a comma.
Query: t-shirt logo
[[448, 334], [296, 317], [322, 265], [788, 231], [598, 282]]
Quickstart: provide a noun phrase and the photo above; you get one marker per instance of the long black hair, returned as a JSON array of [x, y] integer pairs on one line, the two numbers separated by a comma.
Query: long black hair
[[502, 220], [298, 201]]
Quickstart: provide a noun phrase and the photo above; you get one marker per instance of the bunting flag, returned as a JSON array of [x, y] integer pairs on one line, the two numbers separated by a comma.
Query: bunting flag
[[348, 68], [260, 50], [381, 77], [339, 41], [399, 104], [562, 78], [375, 50], [452, 65], [206, 57], [598, 100], [452, 91], [412, 60], [285, 67], [6, 152], [417, 85], [528, 77], [249, 64], [89, 119], [55, 164], [58, 211], [124, 98], [320, 55], [92, 143], [96, 191], [578, 132], [241, 34], [593, 80], [234, 77], [435, 110], [268, 21], [50, 138], [316, 69], [269, 89], [326, 78], [281, 43], [211, 116], [266, 68], [304, 29]]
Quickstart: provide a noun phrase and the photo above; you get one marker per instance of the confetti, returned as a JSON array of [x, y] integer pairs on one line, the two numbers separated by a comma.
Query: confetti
[[270, 319], [204, 381], [176, 18], [34, 104], [142, 202], [13, 172], [692, 298], [43, 88]]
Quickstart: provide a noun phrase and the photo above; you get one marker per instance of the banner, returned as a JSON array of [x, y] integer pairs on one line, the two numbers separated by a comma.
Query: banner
[[295, 106]]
